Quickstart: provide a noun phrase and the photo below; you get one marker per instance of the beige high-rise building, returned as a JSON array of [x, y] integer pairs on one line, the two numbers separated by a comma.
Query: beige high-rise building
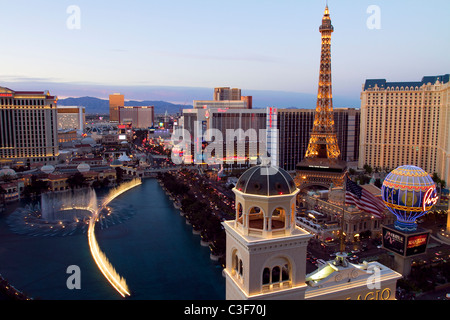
[[138, 117], [406, 123], [116, 100], [71, 117], [28, 128], [230, 96], [227, 93]]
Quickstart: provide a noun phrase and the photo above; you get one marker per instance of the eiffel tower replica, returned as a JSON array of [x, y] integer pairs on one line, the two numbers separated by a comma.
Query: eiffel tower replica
[[322, 165]]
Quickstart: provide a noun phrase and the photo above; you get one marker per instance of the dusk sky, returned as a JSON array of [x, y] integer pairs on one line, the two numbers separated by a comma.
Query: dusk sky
[[248, 44]]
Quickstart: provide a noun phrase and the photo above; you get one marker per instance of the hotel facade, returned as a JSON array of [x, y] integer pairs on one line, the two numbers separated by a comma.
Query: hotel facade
[[226, 98], [406, 123], [28, 127], [197, 121], [294, 127], [287, 131], [71, 117], [116, 100], [138, 117]]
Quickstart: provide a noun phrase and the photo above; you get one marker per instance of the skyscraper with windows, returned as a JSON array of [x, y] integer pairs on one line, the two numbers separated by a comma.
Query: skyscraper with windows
[[294, 128], [116, 100], [71, 117], [406, 123], [226, 98], [240, 148], [28, 127], [227, 93], [139, 117]]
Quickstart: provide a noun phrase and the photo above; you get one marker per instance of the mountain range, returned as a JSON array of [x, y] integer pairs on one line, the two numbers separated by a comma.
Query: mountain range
[[101, 106], [94, 97]]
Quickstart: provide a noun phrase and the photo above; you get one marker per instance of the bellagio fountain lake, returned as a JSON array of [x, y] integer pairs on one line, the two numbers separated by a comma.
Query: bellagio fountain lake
[[128, 242]]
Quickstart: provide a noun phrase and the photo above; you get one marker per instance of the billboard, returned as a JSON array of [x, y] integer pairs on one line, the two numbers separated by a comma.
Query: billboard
[[416, 244], [403, 243], [394, 241]]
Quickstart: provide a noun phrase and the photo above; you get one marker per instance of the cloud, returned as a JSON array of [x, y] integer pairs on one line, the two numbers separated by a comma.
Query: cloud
[[20, 78]]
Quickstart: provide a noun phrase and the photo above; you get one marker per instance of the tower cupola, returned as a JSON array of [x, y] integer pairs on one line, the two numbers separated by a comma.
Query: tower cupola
[[265, 202]]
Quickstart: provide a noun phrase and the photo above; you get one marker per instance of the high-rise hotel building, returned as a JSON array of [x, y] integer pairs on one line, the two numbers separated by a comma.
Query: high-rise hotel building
[[28, 127], [71, 117], [116, 100], [294, 127], [288, 131], [227, 93], [226, 98], [139, 117], [406, 123], [227, 121]]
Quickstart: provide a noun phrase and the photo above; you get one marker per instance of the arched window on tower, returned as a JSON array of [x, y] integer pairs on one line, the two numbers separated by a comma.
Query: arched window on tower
[[237, 268], [239, 211], [278, 218], [255, 218], [276, 275], [241, 267], [266, 276], [285, 276]]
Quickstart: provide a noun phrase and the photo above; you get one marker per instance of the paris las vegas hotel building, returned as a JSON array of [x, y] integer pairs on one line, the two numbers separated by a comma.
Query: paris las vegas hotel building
[[406, 123]]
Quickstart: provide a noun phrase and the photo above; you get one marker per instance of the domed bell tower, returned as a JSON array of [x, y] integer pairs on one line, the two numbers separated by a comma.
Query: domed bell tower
[[266, 251]]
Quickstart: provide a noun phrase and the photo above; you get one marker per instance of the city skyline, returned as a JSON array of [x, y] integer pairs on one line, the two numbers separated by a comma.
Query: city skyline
[[304, 204], [172, 50]]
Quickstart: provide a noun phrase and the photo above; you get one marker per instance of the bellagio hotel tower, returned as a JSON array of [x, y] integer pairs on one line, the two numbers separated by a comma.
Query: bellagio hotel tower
[[406, 123]]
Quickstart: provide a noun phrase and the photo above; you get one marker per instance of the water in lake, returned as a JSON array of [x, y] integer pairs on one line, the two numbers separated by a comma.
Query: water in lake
[[154, 250]]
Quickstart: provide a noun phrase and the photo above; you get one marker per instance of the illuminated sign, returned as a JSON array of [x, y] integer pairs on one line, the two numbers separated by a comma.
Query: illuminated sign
[[384, 294], [393, 241], [122, 137], [416, 244], [270, 118], [6, 95], [429, 199], [405, 244]]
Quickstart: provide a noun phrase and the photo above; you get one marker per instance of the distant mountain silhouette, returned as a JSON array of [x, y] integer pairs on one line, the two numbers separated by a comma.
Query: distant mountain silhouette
[[180, 97], [101, 106]]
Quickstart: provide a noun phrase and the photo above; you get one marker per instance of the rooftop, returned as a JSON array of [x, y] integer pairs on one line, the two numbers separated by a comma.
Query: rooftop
[[266, 181], [383, 84]]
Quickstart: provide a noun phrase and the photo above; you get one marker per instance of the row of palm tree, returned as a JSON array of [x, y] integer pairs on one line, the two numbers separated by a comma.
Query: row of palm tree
[[198, 213]]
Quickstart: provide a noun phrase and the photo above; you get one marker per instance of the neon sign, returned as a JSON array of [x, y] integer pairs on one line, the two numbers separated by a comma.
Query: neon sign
[[429, 199], [417, 241], [384, 294]]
